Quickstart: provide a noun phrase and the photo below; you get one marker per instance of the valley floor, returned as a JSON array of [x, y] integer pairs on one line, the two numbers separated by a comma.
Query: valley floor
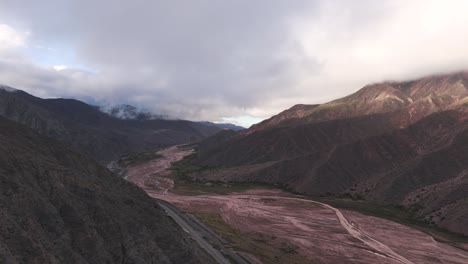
[[272, 226]]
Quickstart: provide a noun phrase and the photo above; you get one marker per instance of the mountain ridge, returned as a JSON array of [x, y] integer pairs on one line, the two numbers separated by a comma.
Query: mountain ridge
[[97, 134], [418, 98]]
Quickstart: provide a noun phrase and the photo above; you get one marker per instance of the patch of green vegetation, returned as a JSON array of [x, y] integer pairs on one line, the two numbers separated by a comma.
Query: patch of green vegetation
[[190, 187], [185, 184], [183, 169], [136, 159], [265, 247]]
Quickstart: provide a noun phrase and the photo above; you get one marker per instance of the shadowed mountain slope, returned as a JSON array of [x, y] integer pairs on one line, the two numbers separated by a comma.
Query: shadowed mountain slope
[[60, 207]]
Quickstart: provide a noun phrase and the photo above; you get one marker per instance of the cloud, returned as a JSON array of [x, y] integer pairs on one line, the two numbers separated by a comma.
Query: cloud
[[10, 38], [244, 121], [215, 60], [396, 40], [60, 67]]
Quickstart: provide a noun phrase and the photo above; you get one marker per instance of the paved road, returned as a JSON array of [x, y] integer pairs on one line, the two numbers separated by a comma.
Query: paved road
[[203, 236]]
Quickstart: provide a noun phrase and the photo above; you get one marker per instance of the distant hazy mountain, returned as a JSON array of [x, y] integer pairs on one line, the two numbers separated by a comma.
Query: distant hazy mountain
[[129, 112], [223, 125], [58, 206], [93, 132], [395, 143]]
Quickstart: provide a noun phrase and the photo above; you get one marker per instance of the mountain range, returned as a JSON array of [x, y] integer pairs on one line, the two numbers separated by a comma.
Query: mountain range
[[102, 136], [131, 112], [397, 143]]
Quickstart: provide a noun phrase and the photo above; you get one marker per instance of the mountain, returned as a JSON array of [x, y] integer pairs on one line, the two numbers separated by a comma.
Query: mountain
[[392, 143], [413, 100], [93, 132], [58, 206], [131, 112], [222, 125]]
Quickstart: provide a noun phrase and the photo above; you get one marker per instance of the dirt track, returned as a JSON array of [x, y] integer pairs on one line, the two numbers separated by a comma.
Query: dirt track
[[316, 231]]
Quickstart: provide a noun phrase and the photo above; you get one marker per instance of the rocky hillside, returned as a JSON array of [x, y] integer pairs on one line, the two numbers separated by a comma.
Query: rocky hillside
[[393, 143], [93, 132], [60, 207]]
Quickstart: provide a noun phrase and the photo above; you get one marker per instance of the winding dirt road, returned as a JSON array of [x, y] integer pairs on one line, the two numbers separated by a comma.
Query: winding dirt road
[[378, 246]]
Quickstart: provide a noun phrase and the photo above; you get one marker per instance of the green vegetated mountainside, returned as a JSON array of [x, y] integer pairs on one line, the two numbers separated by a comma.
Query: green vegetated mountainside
[[393, 143], [58, 206]]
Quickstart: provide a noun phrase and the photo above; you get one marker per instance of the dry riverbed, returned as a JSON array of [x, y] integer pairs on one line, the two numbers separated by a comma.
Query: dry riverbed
[[275, 227]]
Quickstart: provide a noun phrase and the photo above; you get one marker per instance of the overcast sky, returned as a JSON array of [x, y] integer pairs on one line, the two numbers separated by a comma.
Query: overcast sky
[[235, 60]]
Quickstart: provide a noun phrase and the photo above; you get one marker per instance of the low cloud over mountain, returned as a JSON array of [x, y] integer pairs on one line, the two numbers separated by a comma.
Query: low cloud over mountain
[[205, 60]]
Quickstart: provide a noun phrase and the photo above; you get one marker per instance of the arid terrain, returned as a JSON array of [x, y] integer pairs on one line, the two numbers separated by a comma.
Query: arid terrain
[[273, 226]]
